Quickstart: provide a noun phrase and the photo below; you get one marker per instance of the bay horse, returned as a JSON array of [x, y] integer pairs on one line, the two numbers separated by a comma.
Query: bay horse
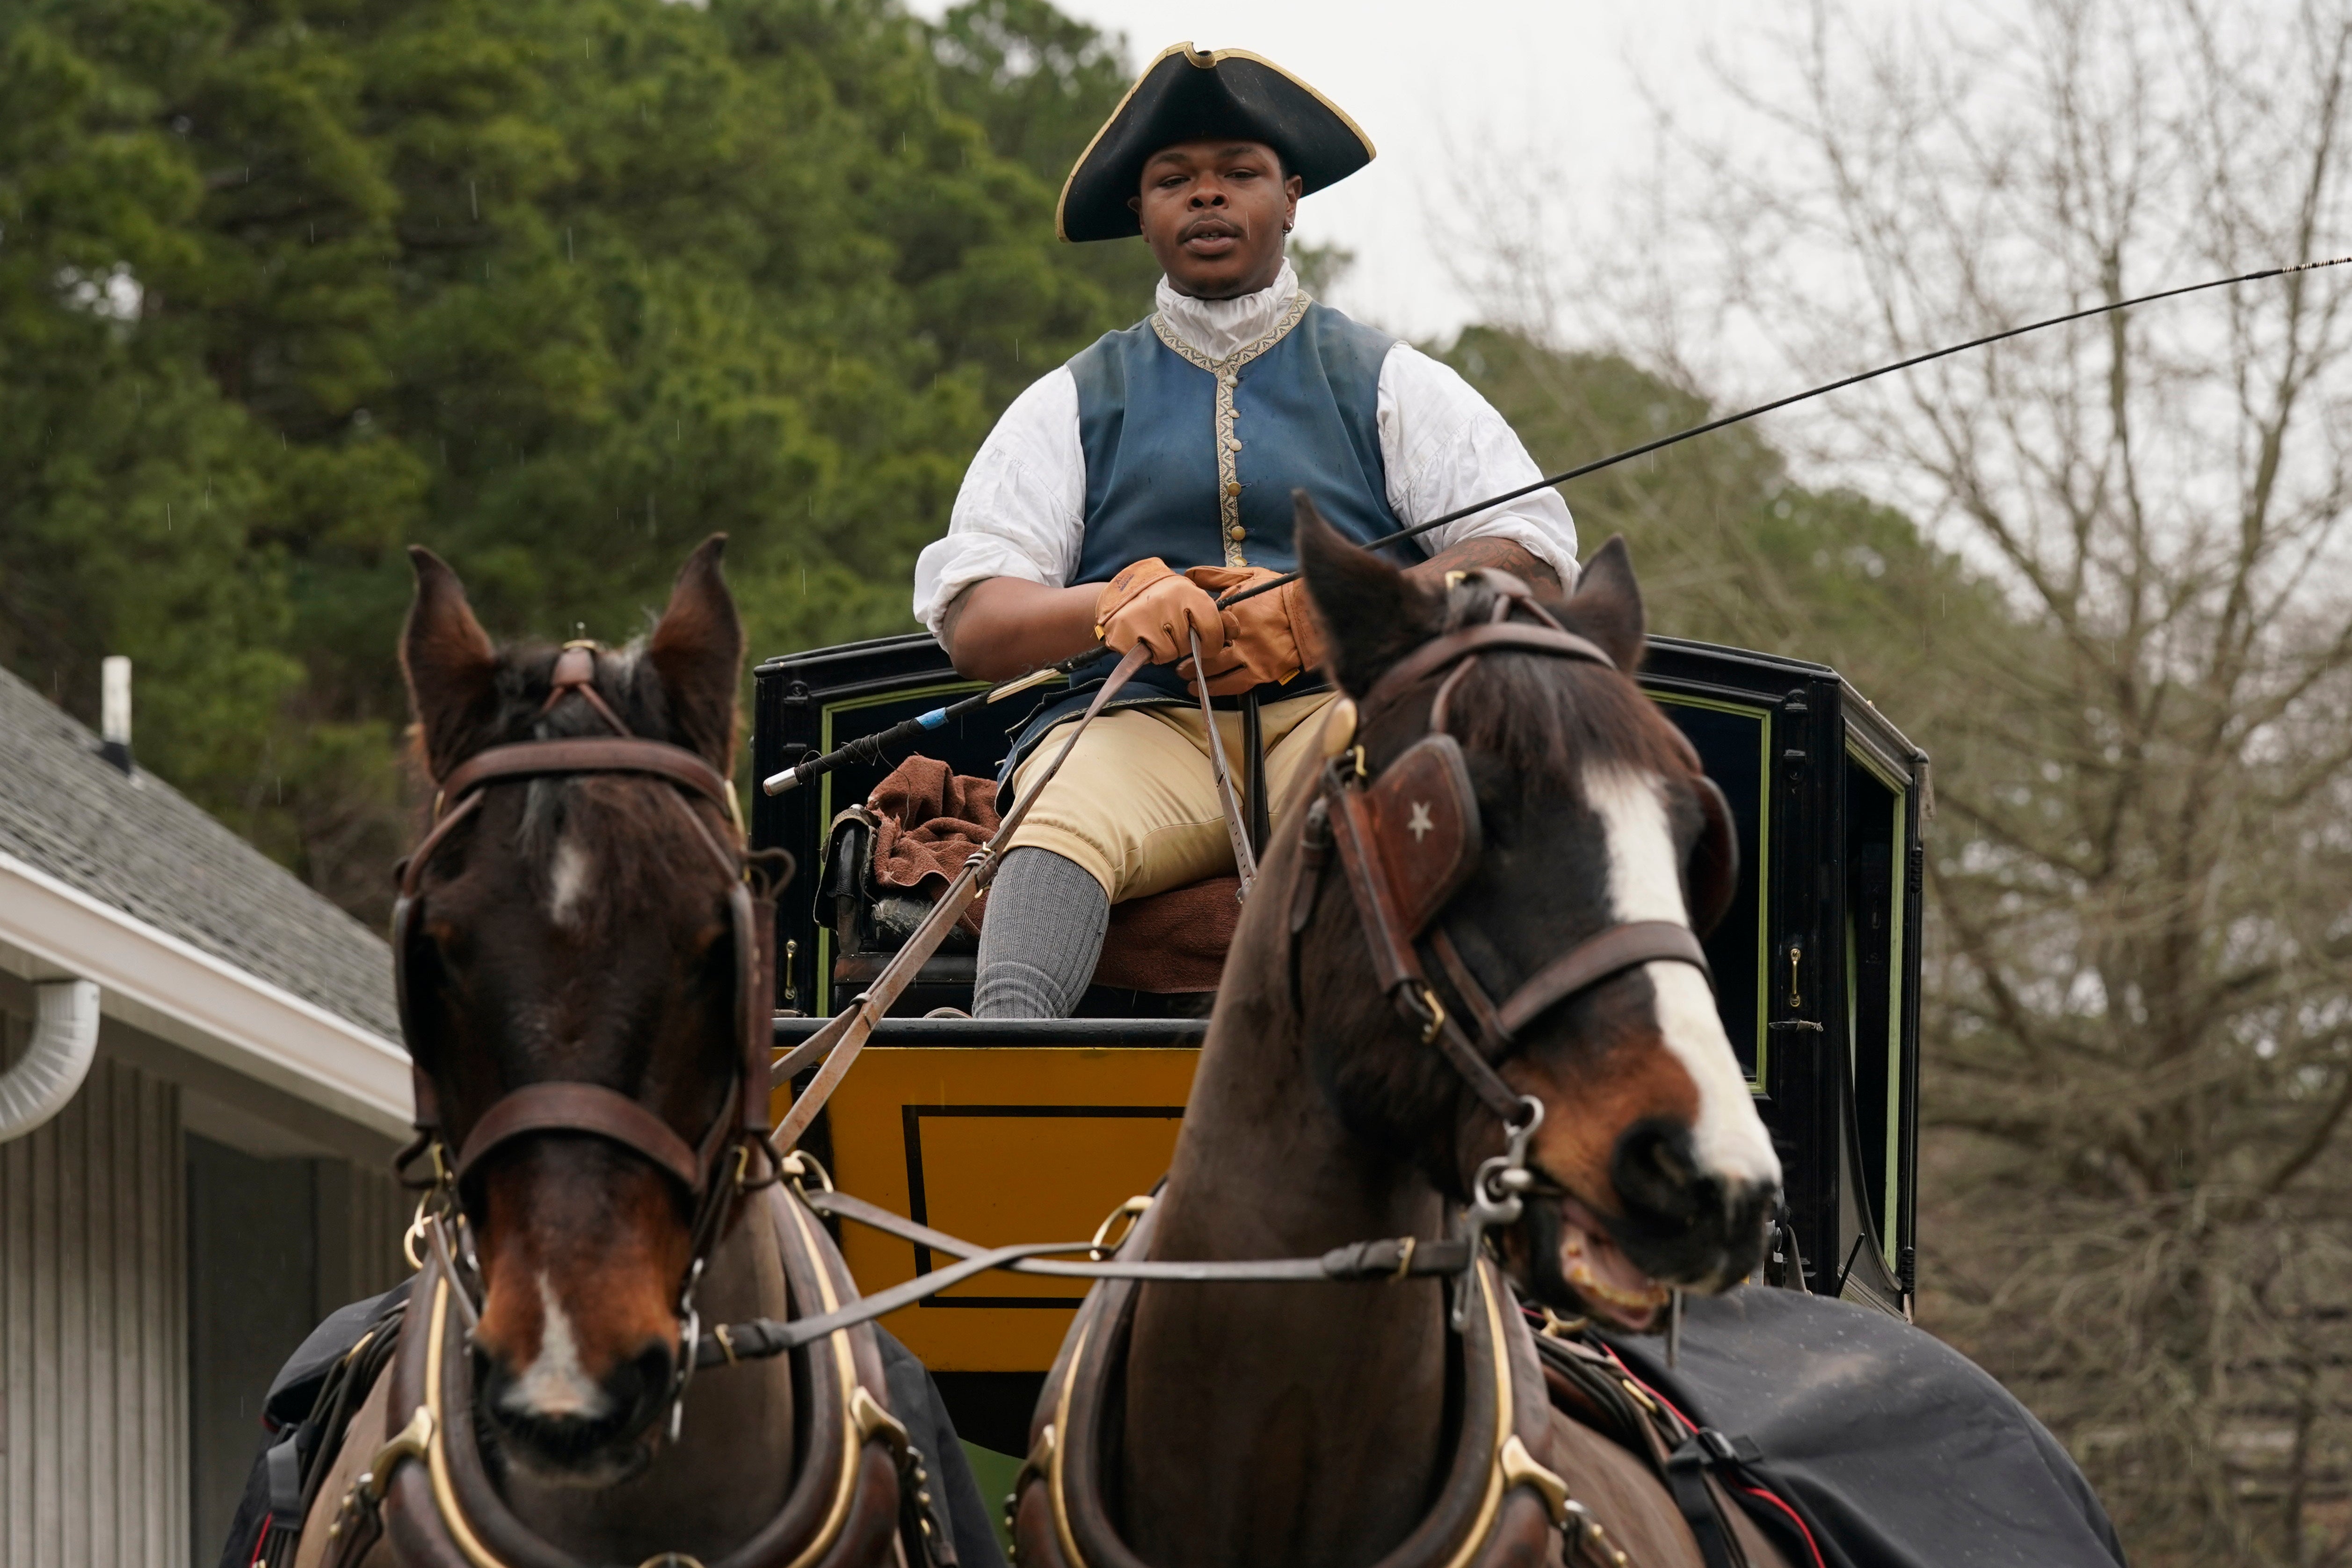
[[1358, 1080], [582, 957]]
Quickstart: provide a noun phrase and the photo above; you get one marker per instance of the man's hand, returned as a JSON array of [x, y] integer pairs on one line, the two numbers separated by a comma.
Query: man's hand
[[1275, 635], [1148, 603]]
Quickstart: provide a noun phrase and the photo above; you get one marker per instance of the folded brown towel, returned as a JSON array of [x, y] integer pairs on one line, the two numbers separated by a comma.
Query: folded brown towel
[[951, 815], [931, 822]]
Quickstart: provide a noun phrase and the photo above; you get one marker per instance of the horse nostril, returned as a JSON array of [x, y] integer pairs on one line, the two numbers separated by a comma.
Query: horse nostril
[[641, 1384], [1658, 1179]]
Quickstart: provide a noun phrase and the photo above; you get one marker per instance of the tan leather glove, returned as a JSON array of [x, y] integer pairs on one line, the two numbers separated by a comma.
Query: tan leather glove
[[1276, 635], [1148, 603]]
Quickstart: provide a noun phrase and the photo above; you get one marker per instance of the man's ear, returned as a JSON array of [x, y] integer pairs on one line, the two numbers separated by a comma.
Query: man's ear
[[1607, 605], [696, 651], [1372, 613], [449, 663]]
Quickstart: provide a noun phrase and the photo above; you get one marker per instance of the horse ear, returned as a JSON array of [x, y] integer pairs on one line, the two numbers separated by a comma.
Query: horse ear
[[1607, 605], [1372, 613], [449, 664], [698, 652]]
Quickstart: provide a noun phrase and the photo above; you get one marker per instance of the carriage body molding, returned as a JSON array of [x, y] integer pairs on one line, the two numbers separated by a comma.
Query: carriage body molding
[[1021, 1132]]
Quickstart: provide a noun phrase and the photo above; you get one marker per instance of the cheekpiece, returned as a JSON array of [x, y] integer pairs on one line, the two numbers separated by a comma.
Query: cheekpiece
[[1189, 94]]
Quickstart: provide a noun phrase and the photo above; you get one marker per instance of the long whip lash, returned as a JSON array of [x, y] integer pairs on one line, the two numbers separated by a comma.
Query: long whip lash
[[1729, 419]]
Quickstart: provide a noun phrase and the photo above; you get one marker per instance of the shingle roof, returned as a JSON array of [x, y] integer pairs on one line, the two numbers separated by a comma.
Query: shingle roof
[[138, 844]]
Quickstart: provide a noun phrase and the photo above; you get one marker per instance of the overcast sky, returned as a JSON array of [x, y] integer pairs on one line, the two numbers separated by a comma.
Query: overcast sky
[[1444, 89]]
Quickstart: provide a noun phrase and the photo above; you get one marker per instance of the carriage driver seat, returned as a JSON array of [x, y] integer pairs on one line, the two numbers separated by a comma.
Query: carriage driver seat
[[888, 861]]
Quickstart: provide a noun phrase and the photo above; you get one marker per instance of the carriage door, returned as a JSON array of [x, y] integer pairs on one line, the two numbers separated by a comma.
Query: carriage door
[[1881, 950]]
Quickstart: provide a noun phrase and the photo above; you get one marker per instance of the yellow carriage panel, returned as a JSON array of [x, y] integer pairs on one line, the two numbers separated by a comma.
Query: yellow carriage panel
[[998, 1144]]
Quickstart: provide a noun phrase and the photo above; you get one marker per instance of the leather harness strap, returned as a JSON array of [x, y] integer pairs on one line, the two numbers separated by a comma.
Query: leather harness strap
[[589, 755], [583, 1107], [1594, 960], [1496, 636]]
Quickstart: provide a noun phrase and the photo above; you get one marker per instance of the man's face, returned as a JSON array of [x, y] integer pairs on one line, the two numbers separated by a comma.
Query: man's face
[[1214, 214]]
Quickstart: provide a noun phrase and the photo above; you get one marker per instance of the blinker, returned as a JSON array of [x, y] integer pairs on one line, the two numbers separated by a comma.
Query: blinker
[[1423, 816]]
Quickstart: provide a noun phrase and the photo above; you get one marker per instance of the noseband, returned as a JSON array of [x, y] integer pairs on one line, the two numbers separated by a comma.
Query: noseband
[[574, 1107], [1409, 838]]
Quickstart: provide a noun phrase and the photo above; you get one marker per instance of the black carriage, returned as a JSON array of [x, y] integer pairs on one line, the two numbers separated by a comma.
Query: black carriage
[[1002, 1133]]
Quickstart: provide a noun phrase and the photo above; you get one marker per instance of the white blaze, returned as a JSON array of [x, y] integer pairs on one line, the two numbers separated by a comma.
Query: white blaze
[[1645, 884], [555, 1385], [567, 882]]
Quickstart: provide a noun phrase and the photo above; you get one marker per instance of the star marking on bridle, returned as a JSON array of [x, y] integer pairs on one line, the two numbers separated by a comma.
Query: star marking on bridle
[[1419, 824]]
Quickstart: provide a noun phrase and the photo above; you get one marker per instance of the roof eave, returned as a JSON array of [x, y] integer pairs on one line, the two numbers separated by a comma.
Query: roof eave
[[158, 982]]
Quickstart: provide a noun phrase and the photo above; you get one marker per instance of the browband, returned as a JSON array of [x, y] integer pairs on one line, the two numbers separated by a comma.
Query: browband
[[616, 755], [1453, 647], [572, 1106]]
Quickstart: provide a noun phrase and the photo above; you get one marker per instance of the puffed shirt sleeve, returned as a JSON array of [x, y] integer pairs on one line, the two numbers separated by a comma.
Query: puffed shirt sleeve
[[1021, 511], [1445, 447]]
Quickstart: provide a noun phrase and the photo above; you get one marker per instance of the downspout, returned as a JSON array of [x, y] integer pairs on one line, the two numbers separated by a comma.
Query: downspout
[[65, 1040]]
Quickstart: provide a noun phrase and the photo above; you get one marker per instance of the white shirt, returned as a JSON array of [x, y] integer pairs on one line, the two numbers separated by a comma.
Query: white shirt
[[1022, 509]]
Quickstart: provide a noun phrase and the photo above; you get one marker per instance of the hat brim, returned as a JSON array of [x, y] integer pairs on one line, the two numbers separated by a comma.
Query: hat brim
[[1189, 95]]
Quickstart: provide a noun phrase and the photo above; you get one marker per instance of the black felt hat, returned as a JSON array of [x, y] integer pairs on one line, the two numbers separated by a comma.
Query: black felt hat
[[1187, 95]]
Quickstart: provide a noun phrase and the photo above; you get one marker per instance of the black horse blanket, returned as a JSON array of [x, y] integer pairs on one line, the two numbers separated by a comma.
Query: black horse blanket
[[1904, 1453]]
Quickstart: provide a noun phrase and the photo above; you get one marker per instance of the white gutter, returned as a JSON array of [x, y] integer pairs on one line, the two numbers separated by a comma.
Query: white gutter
[[65, 1042], [158, 982]]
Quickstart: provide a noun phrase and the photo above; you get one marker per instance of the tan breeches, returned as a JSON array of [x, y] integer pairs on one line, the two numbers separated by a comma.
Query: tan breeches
[[1137, 803]]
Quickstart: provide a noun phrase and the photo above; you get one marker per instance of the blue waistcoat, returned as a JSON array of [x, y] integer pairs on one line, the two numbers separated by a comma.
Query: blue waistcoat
[[1193, 461]]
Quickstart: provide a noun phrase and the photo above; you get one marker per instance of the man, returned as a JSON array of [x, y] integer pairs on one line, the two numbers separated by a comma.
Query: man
[[1121, 495]]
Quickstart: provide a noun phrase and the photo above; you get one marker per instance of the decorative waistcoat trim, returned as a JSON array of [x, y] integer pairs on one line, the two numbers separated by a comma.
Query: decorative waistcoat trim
[[1228, 372]]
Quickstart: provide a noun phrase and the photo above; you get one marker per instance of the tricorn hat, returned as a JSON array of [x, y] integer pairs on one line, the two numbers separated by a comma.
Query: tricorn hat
[[1189, 94]]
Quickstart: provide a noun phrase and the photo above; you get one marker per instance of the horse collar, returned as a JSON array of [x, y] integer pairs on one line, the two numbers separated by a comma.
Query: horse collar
[[842, 1508], [1498, 1504]]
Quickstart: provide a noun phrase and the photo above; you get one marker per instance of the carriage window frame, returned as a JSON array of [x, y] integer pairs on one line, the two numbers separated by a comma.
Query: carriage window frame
[[1765, 718], [951, 690], [1899, 839]]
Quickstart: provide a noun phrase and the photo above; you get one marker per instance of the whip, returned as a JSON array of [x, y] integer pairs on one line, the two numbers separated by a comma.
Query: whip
[[1729, 419]]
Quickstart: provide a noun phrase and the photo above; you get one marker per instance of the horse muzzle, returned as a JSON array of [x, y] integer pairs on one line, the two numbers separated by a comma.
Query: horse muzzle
[[1679, 1227], [564, 1430], [1691, 1227]]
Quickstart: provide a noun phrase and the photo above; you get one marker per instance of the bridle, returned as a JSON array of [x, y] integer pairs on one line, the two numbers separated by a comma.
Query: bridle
[[700, 1169], [1409, 836]]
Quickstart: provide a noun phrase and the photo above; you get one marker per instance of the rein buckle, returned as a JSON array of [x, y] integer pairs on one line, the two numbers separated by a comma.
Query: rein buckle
[[1498, 1195], [1433, 1011]]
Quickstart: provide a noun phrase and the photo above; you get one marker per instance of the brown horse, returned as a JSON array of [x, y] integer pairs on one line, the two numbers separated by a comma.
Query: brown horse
[[581, 988], [1247, 1423]]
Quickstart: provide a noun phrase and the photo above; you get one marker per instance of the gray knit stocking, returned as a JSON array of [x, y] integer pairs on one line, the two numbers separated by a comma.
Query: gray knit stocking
[[1046, 916]]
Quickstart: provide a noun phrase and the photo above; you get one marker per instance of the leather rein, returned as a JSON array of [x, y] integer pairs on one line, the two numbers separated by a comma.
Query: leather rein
[[700, 1169]]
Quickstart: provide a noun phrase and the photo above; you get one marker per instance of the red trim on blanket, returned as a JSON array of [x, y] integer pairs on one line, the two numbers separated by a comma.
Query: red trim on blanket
[[1793, 1519], [1690, 1425]]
